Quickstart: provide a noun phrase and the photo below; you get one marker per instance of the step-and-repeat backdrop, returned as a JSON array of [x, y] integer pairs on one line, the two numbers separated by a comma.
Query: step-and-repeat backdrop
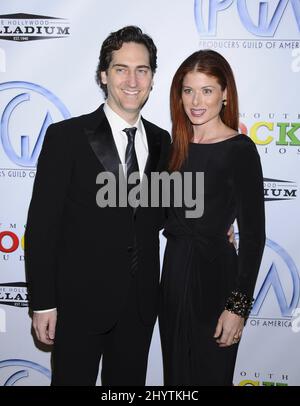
[[48, 57]]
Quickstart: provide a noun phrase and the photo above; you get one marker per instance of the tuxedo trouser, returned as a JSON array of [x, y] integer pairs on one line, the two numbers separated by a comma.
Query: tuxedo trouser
[[124, 351]]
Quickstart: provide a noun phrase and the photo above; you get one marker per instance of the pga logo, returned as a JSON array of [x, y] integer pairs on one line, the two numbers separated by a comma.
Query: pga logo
[[21, 372], [22, 141], [264, 25]]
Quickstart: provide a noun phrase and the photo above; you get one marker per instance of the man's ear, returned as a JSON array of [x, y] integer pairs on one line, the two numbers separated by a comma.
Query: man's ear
[[103, 77]]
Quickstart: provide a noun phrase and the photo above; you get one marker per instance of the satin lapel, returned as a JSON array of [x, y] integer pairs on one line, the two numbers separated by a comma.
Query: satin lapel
[[102, 143], [153, 150]]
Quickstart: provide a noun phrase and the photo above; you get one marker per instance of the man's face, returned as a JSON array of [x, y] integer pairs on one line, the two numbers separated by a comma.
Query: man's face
[[129, 80]]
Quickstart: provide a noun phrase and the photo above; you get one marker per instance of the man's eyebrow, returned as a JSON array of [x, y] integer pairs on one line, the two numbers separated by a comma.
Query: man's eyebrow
[[121, 65], [143, 66]]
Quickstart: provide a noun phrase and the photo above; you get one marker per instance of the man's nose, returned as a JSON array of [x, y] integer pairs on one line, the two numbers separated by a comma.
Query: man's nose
[[131, 79]]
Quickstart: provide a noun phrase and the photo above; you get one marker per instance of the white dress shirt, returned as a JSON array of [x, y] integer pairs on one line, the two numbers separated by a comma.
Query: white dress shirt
[[117, 125]]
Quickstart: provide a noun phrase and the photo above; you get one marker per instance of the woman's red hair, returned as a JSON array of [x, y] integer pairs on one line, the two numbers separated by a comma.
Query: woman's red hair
[[210, 63]]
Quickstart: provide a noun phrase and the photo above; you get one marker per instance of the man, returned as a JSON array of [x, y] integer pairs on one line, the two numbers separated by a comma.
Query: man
[[93, 272]]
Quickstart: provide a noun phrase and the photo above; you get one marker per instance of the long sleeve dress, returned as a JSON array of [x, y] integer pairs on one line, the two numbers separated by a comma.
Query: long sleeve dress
[[201, 267]]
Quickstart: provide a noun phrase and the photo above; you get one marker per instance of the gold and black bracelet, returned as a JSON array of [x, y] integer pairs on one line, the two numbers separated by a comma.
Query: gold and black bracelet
[[239, 303]]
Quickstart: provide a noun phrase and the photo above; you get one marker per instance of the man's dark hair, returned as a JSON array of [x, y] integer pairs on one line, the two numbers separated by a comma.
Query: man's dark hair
[[115, 41]]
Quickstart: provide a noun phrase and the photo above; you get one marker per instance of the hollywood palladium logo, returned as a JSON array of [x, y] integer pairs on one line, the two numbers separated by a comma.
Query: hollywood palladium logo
[[31, 27], [14, 294], [275, 190]]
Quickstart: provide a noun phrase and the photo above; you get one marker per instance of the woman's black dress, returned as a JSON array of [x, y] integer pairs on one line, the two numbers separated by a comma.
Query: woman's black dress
[[201, 268]]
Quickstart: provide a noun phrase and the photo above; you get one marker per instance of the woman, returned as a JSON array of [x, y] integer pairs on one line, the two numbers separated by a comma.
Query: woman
[[207, 288]]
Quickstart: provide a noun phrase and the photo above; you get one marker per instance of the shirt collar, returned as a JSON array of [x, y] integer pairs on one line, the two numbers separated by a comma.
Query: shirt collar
[[117, 123]]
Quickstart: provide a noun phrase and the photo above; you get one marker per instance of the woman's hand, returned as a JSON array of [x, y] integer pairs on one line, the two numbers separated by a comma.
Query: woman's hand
[[231, 236], [229, 329]]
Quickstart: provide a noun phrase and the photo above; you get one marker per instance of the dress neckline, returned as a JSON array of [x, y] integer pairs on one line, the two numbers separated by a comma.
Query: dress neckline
[[218, 142]]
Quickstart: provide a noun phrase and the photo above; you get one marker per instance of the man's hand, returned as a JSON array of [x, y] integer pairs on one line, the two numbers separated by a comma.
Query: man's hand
[[229, 329], [44, 326], [231, 238]]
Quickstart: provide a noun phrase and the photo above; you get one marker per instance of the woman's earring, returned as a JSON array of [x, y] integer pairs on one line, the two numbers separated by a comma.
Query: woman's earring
[[224, 102]]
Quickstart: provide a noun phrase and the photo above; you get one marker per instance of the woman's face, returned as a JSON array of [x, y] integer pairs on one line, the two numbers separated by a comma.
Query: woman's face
[[202, 98]]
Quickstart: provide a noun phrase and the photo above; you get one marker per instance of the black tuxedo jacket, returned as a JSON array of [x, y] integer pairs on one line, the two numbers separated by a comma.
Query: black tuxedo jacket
[[78, 255]]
